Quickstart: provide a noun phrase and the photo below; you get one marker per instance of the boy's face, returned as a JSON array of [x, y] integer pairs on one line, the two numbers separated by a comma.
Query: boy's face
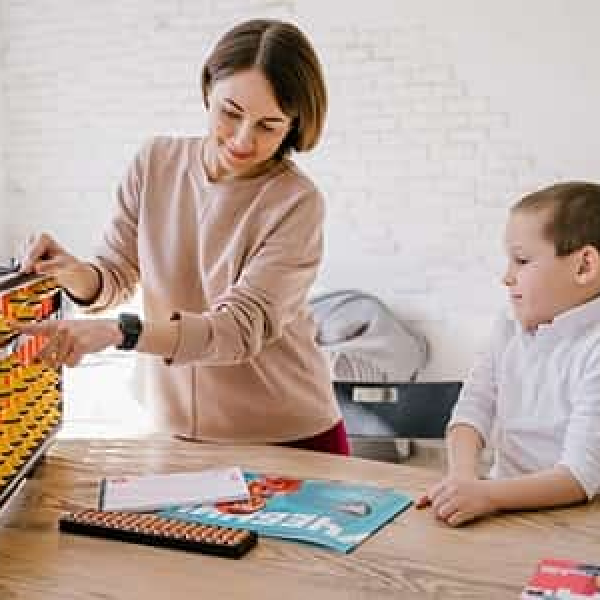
[[541, 285]]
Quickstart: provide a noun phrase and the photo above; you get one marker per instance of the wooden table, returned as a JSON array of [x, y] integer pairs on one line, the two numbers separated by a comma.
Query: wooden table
[[413, 557]]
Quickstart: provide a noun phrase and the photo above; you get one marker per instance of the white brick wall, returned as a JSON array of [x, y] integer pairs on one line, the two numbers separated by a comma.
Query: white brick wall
[[4, 229], [438, 121]]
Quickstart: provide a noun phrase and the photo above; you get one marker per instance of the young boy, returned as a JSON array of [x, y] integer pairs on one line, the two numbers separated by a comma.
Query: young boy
[[534, 394]]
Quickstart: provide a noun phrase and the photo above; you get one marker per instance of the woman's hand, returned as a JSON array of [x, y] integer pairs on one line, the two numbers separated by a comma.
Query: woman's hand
[[457, 500], [43, 255], [68, 341]]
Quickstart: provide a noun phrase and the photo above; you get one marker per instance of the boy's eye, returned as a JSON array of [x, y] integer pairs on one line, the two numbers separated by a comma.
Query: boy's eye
[[521, 261]]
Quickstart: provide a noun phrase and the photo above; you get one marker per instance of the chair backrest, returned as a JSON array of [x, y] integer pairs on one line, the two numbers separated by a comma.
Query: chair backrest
[[397, 410], [364, 339]]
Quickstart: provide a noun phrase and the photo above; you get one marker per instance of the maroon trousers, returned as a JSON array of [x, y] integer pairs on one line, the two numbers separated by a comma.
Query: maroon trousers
[[334, 441]]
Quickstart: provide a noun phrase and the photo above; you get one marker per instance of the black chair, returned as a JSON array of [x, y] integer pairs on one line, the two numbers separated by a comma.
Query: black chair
[[383, 418]]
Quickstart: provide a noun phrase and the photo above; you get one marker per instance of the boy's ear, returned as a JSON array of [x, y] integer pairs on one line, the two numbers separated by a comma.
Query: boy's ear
[[588, 265]]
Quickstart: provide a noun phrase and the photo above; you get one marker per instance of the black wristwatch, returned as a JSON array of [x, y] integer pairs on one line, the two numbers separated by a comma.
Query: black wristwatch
[[131, 328]]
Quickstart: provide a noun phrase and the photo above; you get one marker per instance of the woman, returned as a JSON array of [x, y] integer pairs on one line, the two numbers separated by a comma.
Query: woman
[[224, 236]]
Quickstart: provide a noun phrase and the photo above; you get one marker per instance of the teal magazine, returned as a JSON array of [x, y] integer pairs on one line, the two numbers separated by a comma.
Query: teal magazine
[[333, 514]]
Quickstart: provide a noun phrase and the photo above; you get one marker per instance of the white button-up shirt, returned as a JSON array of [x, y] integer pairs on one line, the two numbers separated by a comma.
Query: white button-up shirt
[[535, 397]]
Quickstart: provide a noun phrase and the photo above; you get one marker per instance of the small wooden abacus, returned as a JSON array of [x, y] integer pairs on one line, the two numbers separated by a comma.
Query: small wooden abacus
[[153, 530]]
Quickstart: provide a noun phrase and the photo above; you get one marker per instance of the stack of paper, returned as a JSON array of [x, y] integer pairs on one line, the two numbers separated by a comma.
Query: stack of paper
[[153, 492]]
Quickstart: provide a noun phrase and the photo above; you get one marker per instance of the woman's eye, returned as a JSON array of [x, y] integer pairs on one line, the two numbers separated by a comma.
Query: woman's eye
[[521, 261], [230, 114], [266, 127]]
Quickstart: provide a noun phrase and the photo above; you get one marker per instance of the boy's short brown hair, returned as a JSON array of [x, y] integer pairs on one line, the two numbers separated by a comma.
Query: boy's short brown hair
[[287, 59], [574, 220]]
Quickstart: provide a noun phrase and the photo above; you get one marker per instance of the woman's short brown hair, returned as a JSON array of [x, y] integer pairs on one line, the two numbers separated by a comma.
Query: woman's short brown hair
[[574, 214], [288, 61]]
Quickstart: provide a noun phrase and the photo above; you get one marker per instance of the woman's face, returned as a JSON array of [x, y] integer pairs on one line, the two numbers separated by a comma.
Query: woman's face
[[246, 126]]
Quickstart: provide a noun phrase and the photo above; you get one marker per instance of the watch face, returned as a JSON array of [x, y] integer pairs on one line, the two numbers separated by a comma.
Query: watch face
[[131, 328]]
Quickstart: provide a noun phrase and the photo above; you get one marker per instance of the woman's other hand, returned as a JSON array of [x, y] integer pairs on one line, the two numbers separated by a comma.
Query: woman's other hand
[[43, 255]]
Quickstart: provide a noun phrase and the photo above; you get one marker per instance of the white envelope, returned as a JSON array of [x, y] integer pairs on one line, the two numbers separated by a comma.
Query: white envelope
[[153, 492]]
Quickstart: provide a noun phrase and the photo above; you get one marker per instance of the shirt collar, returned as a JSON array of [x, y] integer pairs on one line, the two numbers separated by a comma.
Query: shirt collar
[[569, 322]]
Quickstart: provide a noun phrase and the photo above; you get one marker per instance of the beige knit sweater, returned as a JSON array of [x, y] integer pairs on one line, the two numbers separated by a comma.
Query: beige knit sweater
[[236, 259]]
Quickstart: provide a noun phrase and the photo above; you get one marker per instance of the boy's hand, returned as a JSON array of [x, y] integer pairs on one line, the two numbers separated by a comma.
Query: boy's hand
[[457, 500]]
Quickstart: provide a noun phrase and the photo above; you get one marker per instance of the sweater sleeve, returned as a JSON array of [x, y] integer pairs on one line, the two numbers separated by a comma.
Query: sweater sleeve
[[581, 448], [477, 402], [269, 292], [116, 257]]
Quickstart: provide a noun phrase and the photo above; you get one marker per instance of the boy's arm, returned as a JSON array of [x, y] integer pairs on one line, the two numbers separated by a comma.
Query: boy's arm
[[464, 445], [544, 489], [581, 446], [470, 427]]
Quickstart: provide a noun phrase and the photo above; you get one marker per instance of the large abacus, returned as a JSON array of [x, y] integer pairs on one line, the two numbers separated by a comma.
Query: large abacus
[[30, 392]]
